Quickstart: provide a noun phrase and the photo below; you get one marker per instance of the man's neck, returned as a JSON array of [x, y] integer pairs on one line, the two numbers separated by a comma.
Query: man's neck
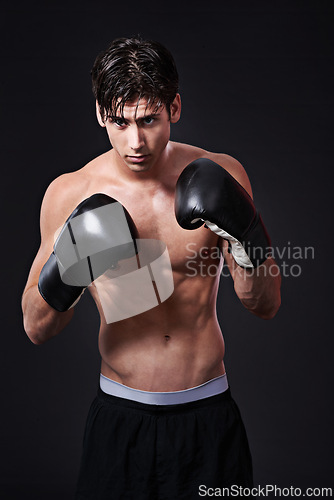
[[158, 173]]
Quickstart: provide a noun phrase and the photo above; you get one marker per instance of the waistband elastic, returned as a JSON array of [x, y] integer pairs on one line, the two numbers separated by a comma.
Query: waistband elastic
[[211, 388]]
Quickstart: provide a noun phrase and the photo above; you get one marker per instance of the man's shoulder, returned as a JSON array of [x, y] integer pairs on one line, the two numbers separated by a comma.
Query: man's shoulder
[[233, 167], [67, 185], [186, 152], [77, 182], [194, 152], [67, 190], [190, 153]]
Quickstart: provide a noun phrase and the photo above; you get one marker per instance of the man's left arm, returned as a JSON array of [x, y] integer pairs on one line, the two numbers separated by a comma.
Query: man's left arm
[[258, 288], [216, 190]]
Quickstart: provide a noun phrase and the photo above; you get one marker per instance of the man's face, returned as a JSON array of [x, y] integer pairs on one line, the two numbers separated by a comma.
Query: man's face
[[141, 134]]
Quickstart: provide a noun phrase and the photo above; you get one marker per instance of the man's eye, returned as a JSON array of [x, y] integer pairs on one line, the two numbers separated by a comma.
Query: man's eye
[[119, 122], [148, 120]]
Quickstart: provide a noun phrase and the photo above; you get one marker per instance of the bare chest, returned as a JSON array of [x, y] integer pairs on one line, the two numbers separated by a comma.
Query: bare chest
[[191, 252], [152, 211]]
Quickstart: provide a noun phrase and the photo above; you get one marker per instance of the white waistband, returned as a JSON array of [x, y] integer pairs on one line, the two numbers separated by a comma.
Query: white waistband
[[210, 388]]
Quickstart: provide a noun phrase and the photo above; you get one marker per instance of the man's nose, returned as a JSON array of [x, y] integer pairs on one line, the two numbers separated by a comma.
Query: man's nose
[[136, 138]]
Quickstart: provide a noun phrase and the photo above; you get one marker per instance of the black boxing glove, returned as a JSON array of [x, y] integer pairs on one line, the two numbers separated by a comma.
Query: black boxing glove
[[207, 193], [96, 236]]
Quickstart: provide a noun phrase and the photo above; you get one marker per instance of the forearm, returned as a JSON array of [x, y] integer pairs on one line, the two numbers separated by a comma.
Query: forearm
[[41, 321], [258, 289]]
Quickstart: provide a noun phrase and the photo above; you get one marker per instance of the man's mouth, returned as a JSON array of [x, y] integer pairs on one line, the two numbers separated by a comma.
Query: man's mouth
[[137, 158]]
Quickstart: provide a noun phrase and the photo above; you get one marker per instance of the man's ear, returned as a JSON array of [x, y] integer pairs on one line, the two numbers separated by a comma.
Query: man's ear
[[98, 115], [175, 109]]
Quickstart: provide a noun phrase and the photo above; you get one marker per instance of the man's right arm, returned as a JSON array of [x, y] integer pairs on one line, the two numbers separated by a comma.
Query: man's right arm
[[41, 321], [98, 233]]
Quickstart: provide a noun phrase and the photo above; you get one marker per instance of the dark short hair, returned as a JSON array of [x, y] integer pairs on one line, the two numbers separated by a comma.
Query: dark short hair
[[133, 68]]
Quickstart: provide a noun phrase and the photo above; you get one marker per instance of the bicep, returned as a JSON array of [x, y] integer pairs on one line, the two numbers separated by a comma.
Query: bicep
[[52, 218], [41, 257], [36, 267]]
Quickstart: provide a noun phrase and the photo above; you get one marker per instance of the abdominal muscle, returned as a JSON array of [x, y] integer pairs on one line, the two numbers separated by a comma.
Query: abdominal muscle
[[174, 346]]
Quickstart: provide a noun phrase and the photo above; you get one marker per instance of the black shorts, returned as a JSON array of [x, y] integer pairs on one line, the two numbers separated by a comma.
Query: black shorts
[[139, 451]]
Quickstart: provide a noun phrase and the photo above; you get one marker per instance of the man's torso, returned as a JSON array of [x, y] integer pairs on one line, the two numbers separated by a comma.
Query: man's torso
[[177, 344]]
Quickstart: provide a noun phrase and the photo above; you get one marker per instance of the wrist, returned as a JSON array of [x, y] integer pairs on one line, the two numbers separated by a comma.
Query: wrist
[[54, 291]]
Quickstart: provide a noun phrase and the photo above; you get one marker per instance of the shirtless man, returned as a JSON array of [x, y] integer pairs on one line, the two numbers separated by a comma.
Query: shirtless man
[[163, 423]]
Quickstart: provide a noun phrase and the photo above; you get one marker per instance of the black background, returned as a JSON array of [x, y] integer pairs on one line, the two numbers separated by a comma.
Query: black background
[[256, 83]]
